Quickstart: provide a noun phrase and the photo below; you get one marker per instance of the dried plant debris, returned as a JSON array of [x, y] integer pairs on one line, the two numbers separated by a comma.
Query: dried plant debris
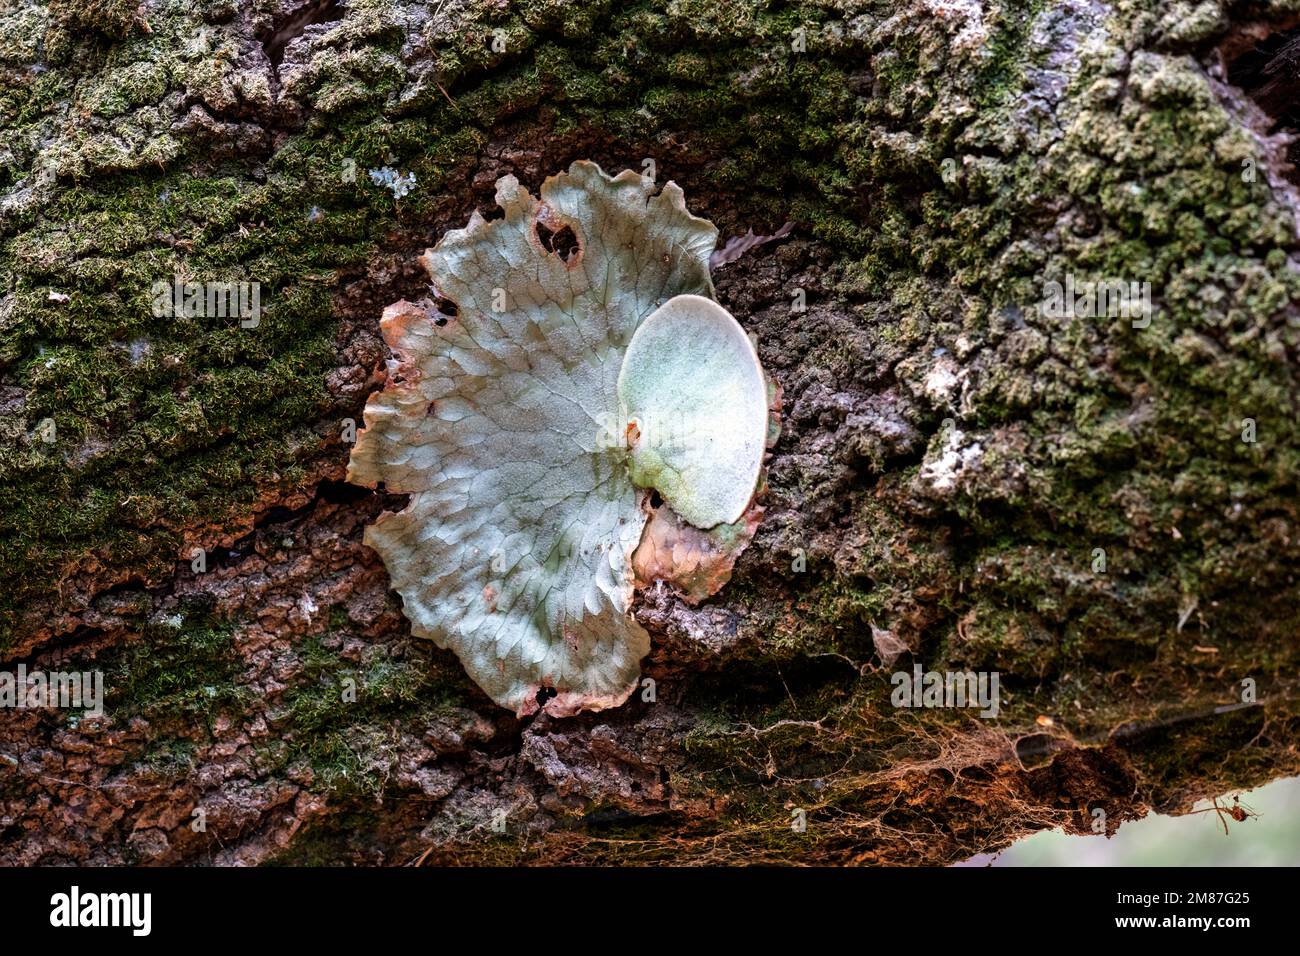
[[737, 246], [697, 563], [532, 427]]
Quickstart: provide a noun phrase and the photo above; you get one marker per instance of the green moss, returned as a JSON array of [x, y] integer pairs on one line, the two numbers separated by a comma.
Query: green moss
[[170, 757], [112, 18], [175, 676], [336, 717], [333, 842]]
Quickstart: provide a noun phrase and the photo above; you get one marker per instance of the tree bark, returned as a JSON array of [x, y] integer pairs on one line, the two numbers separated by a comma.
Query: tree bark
[[1100, 511]]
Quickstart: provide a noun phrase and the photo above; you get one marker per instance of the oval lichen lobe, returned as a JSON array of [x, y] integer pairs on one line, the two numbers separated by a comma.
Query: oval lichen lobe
[[692, 383]]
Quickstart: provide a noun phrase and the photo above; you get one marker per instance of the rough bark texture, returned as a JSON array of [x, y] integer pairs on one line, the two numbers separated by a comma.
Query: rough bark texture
[[952, 457]]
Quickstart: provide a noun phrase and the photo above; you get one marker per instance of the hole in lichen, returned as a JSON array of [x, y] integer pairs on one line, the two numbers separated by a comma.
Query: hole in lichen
[[656, 499], [562, 242], [446, 310], [1269, 73], [544, 694]]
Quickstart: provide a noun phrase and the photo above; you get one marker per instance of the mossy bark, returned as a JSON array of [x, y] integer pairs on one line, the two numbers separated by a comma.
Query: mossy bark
[[963, 480]]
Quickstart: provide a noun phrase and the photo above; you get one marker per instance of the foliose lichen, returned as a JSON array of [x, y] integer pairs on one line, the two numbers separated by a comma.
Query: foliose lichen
[[534, 403]]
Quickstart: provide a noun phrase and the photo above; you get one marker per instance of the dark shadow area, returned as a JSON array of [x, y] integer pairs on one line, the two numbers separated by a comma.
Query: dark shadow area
[[1269, 73], [295, 24]]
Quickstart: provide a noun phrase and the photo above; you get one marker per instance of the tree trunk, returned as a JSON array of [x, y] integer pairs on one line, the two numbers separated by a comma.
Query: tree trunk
[[1099, 510]]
